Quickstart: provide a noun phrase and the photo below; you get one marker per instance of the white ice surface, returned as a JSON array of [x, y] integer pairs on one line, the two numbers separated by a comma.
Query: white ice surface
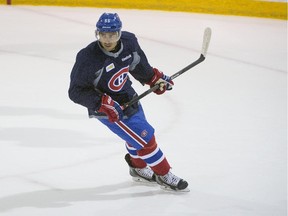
[[223, 127]]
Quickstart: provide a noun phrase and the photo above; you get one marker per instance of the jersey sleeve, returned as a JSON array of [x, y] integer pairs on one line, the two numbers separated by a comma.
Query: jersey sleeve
[[81, 89]]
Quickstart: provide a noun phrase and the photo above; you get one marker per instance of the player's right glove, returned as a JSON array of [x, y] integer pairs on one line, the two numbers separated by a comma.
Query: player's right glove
[[111, 108], [164, 81]]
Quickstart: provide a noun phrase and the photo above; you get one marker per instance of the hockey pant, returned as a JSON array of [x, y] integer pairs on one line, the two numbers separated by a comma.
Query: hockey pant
[[140, 142]]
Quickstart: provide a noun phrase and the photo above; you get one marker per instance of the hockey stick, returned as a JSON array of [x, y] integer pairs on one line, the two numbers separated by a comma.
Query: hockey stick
[[205, 45]]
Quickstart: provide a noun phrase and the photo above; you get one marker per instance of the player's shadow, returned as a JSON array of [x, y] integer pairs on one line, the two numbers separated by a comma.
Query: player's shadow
[[56, 198]]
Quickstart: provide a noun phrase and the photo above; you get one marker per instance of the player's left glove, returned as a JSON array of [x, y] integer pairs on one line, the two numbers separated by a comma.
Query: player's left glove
[[164, 81], [111, 108]]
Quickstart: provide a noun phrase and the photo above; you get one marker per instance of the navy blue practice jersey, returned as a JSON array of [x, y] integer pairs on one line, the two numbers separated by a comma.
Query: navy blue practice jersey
[[108, 72]]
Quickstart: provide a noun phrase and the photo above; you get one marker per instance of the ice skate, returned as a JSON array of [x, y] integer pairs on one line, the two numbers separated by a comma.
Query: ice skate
[[145, 174], [172, 182]]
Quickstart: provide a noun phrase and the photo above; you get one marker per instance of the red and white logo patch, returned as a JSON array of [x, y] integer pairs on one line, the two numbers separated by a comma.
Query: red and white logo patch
[[118, 80], [144, 133]]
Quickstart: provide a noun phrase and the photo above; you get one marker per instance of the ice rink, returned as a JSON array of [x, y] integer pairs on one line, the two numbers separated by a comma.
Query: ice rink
[[223, 127]]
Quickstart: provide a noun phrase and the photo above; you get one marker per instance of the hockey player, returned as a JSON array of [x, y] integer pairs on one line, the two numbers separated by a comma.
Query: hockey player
[[100, 81]]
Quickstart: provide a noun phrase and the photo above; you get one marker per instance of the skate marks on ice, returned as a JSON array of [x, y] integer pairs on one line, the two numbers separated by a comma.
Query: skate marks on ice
[[197, 202], [36, 128], [47, 138], [37, 111], [51, 138]]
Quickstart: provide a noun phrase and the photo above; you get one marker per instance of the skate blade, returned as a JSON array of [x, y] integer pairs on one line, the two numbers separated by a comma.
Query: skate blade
[[167, 188], [144, 181]]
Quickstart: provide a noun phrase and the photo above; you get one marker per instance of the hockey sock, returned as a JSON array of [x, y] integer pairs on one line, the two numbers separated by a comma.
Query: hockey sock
[[154, 157], [135, 160]]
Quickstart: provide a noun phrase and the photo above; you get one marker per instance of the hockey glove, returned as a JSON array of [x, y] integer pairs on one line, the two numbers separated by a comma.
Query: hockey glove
[[164, 82], [111, 108]]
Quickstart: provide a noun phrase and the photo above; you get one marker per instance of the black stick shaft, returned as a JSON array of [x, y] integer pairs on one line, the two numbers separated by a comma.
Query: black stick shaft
[[188, 67]]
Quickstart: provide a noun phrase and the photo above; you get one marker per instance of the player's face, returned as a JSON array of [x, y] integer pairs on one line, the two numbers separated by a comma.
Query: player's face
[[108, 39]]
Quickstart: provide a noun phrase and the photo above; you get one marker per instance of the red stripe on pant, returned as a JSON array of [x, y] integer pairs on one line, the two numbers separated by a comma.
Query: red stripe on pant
[[131, 133]]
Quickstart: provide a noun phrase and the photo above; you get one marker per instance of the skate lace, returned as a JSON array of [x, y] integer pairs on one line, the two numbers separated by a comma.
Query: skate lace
[[171, 179], [145, 172]]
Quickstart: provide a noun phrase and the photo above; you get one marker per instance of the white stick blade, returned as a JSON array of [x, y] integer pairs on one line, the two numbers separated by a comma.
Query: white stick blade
[[206, 41]]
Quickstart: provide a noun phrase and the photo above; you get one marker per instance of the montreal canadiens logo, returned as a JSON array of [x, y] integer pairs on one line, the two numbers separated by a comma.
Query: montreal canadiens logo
[[144, 133], [118, 80]]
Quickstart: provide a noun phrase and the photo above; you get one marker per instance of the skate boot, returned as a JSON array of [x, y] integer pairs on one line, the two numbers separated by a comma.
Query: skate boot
[[171, 181], [145, 174]]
